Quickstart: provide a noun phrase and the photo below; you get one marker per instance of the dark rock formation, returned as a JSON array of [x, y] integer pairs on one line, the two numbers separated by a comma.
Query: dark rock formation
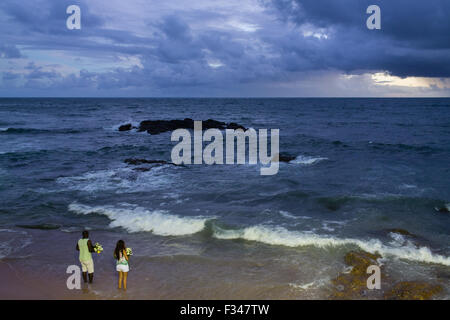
[[125, 127], [403, 232], [235, 126], [44, 226], [353, 285], [412, 290], [142, 169], [137, 162], [285, 158], [444, 209], [160, 126]]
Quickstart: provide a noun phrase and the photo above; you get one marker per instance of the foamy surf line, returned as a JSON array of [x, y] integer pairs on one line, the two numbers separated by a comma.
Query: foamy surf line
[[307, 160], [138, 219], [161, 222], [283, 237], [118, 180]]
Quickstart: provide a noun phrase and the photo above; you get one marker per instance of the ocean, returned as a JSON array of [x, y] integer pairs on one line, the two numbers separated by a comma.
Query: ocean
[[362, 168]]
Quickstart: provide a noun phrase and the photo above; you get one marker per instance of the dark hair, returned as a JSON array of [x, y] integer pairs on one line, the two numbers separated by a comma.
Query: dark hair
[[120, 246], [85, 234]]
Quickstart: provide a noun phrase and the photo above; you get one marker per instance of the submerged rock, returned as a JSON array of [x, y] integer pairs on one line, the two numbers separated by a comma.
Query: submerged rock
[[360, 260], [142, 169], [283, 157], [333, 203], [235, 126], [286, 158], [412, 290], [137, 162], [44, 226], [160, 126], [444, 209], [353, 285], [403, 232], [125, 127]]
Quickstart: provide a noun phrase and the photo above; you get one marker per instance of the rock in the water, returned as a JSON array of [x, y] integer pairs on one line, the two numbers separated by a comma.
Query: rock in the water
[[235, 126], [403, 232], [353, 285], [125, 127], [283, 158], [137, 162], [286, 158], [444, 209], [142, 169], [412, 290], [160, 126], [44, 226]]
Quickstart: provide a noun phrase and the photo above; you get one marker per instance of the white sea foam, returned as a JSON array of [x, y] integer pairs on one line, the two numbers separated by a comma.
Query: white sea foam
[[310, 285], [407, 186], [120, 180], [138, 219], [283, 237], [325, 226], [12, 241], [289, 215], [398, 240], [116, 127], [307, 160]]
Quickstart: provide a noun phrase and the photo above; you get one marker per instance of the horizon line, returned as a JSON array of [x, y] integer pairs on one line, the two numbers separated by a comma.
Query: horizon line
[[231, 97]]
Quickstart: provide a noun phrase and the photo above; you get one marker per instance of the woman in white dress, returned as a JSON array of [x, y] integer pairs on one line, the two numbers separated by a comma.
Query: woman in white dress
[[120, 254]]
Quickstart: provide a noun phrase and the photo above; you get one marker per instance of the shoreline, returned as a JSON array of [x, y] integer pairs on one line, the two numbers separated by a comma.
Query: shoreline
[[168, 268], [21, 284]]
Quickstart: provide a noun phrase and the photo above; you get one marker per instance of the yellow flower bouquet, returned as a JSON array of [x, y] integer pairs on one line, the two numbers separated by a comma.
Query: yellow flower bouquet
[[129, 252], [98, 248]]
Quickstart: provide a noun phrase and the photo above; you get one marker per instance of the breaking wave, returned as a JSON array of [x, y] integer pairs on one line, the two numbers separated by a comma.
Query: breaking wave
[[138, 219], [283, 237]]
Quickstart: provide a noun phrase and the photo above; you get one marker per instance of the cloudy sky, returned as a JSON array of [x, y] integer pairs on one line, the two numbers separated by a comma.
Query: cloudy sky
[[224, 48]]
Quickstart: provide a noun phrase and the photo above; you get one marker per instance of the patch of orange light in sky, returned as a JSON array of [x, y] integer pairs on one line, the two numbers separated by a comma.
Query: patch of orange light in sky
[[386, 79]]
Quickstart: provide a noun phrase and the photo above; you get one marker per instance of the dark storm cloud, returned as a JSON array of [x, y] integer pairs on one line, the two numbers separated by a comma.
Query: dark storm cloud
[[187, 49], [45, 17], [413, 41], [9, 52]]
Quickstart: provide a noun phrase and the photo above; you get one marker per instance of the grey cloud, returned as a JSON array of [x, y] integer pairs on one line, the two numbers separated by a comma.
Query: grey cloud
[[413, 40], [177, 56], [10, 52]]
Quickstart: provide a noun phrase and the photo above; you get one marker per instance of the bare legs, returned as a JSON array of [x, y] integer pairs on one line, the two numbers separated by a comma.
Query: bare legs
[[123, 277]]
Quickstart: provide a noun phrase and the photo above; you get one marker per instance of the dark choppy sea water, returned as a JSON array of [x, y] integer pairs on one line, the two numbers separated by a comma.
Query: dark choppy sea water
[[363, 166]]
